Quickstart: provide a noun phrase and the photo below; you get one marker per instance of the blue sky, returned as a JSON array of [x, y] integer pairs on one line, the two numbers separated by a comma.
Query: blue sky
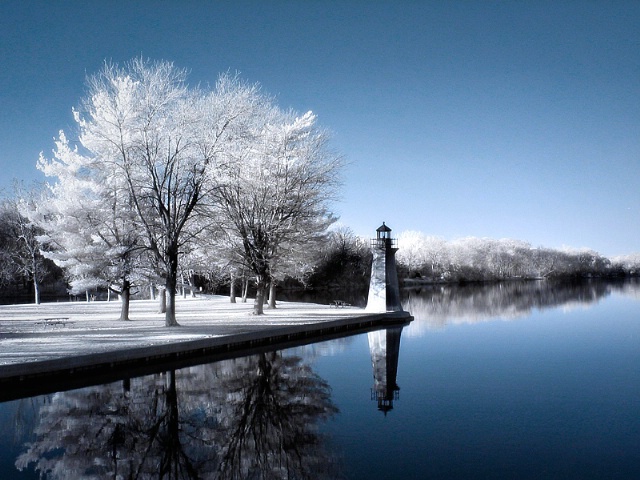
[[458, 118]]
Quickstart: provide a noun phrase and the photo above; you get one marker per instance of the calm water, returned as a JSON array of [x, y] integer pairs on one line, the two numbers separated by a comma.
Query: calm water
[[512, 381]]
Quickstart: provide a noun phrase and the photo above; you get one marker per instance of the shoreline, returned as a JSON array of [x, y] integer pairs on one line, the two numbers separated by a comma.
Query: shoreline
[[89, 347]]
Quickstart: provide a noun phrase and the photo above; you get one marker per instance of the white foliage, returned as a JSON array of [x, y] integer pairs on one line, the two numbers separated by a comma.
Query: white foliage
[[155, 158], [473, 258]]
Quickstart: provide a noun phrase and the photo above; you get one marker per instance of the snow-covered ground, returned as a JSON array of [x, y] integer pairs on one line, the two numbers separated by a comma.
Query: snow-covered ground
[[56, 330]]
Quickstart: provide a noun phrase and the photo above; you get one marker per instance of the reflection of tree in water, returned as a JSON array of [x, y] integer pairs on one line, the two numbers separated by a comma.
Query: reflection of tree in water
[[250, 418], [116, 431], [269, 406], [438, 305]]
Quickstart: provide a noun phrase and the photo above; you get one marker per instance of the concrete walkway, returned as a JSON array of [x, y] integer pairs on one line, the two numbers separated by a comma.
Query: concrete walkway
[[58, 342]]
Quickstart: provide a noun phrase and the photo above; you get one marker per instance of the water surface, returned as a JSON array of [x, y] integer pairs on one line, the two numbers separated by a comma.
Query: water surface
[[522, 380]]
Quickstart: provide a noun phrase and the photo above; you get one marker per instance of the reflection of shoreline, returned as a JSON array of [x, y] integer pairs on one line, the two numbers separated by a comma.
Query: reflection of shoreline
[[434, 307]]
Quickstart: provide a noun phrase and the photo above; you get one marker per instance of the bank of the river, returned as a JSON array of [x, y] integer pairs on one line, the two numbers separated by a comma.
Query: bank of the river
[[61, 342]]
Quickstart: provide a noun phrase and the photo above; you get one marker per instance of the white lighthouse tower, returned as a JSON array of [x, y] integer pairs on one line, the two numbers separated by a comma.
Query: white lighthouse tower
[[384, 292]]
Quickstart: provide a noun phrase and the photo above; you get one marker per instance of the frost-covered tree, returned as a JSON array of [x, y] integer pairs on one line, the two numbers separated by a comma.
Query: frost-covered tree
[[423, 254], [152, 140], [136, 120], [274, 190], [90, 224], [22, 250], [630, 264], [6, 246], [157, 163], [220, 252], [297, 263], [487, 259]]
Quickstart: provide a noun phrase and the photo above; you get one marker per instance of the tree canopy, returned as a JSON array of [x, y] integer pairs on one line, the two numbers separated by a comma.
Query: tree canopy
[[161, 168]]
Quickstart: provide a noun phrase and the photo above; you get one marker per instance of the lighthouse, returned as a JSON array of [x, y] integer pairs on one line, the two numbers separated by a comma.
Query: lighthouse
[[384, 292]]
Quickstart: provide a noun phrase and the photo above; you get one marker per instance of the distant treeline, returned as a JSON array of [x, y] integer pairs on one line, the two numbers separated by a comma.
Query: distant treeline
[[471, 259]]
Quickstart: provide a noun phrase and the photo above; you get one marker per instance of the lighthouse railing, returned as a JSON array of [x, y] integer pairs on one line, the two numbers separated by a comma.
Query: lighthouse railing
[[383, 242]]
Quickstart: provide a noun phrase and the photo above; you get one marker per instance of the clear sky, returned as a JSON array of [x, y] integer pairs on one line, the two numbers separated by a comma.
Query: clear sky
[[516, 119]]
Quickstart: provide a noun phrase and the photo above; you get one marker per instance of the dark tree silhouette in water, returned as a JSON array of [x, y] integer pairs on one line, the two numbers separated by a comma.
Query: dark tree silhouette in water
[[270, 406], [110, 431], [249, 418]]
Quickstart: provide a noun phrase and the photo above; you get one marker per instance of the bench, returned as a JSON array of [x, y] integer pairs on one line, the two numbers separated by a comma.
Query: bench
[[54, 322], [339, 304]]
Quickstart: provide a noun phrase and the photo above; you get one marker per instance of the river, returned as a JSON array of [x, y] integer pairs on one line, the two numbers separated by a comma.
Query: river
[[513, 380]]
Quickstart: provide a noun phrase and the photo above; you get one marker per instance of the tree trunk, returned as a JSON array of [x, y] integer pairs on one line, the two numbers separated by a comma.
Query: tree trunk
[[192, 283], [125, 297], [232, 289], [152, 291], [171, 283], [245, 289], [86, 293], [170, 314], [162, 296], [36, 291], [261, 290], [272, 294]]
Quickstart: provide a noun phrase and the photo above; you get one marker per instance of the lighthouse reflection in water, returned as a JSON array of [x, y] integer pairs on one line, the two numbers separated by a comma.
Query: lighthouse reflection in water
[[384, 346]]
